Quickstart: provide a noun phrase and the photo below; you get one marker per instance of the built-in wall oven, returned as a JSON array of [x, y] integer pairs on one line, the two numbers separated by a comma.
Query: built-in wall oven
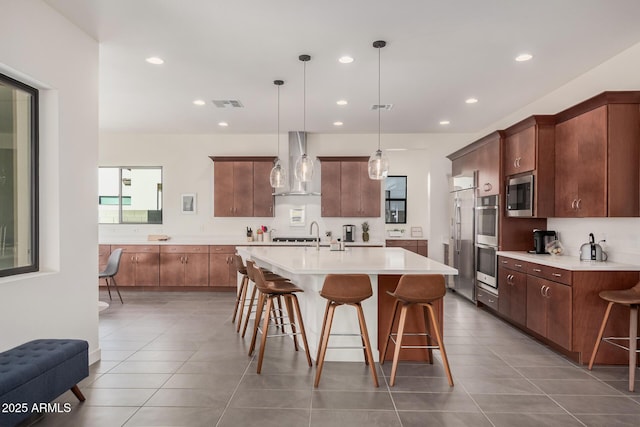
[[486, 246], [487, 213], [487, 267]]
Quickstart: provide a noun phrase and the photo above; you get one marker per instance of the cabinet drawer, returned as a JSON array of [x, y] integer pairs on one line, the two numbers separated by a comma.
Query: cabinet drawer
[[487, 298], [513, 264], [402, 244], [222, 249], [550, 273], [184, 249], [138, 248]]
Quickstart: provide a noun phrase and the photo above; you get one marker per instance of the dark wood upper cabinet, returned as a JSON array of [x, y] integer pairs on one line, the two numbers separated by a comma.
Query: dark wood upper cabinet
[[597, 157], [529, 148], [241, 187], [347, 190], [488, 164]]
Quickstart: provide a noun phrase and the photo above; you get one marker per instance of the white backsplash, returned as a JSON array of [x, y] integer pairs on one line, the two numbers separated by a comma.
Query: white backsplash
[[622, 236]]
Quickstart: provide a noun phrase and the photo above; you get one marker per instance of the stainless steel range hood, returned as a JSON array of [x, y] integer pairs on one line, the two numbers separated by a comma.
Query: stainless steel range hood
[[297, 147]]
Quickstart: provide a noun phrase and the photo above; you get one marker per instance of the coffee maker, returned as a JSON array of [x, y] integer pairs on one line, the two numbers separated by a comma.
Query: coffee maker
[[540, 240], [348, 233]]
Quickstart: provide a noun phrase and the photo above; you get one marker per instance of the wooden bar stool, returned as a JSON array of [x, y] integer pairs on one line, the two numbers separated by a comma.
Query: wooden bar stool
[[270, 291], [268, 276], [345, 289], [630, 298], [422, 290]]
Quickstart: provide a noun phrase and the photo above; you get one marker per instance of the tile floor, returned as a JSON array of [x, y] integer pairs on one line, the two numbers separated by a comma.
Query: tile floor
[[174, 359]]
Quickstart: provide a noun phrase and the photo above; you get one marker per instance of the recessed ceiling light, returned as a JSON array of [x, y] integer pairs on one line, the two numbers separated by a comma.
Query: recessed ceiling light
[[155, 60], [524, 57], [345, 59], [444, 122], [199, 102], [471, 101], [223, 124], [342, 102], [338, 123]]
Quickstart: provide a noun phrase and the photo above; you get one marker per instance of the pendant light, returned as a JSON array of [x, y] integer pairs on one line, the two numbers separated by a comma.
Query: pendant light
[[304, 165], [378, 162], [278, 175]]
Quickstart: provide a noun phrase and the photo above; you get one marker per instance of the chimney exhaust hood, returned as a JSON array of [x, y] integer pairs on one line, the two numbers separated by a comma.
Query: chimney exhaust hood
[[297, 147]]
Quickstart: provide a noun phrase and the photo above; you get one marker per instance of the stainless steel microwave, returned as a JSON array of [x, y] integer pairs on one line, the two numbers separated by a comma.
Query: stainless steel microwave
[[520, 196]]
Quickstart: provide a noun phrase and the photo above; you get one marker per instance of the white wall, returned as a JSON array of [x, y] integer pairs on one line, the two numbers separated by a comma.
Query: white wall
[[42, 49], [618, 73], [191, 171], [425, 164]]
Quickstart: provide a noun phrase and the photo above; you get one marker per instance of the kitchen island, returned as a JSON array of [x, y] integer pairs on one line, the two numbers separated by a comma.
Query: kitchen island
[[307, 268]]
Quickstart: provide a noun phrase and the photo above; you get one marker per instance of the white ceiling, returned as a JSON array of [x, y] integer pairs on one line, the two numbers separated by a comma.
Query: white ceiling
[[438, 54]]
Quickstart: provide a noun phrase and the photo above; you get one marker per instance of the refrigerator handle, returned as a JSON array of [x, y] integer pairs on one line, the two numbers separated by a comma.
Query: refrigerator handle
[[458, 227]]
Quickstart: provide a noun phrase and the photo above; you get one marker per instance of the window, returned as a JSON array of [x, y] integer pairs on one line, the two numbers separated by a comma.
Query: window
[[395, 200], [18, 177], [130, 195]]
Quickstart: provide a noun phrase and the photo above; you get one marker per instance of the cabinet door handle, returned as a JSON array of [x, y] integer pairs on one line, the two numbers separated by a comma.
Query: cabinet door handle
[[491, 301], [504, 262], [518, 265], [537, 270], [556, 274], [546, 292], [573, 204], [542, 290], [487, 187], [186, 260], [578, 204]]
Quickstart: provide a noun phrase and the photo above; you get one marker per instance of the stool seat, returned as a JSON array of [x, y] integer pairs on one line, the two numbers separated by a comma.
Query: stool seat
[[346, 289], [280, 287], [624, 296]]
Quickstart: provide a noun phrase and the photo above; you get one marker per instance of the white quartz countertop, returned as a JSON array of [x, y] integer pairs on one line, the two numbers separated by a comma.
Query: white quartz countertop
[[219, 241], [569, 262], [350, 261]]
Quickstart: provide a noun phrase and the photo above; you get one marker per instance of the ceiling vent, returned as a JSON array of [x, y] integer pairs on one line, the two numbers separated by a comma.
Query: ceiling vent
[[227, 103], [385, 107]]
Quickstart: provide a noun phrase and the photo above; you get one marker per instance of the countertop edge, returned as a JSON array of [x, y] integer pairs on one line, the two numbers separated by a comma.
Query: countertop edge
[[569, 262]]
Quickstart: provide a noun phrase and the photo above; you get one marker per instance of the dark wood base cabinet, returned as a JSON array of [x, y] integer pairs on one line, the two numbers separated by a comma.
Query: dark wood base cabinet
[[418, 246], [562, 307]]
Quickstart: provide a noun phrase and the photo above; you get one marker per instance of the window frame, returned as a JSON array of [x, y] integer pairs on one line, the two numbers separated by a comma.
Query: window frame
[[387, 200], [34, 220], [120, 196]]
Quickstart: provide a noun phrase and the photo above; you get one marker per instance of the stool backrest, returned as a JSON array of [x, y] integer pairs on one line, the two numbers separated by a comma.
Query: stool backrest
[[255, 275], [421, 287], [346, 287], [239, 264]]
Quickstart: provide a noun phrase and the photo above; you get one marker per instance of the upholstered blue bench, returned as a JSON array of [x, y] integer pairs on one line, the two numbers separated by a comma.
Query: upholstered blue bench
[[37, 372]]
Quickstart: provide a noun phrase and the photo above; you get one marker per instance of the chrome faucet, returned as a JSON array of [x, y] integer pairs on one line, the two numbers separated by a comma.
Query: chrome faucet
[[317, 234]]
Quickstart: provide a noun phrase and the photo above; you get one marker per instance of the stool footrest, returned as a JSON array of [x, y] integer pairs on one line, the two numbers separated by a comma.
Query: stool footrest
[[611, 340]]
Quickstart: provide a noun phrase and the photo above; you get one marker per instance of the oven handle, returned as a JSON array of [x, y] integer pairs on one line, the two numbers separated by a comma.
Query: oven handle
[[485, 246]]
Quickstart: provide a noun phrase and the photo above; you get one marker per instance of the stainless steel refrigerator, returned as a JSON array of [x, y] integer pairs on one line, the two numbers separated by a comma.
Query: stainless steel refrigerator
[[462, 235]]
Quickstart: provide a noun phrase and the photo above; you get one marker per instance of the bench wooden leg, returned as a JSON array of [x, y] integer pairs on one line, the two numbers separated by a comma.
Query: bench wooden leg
[[76, 390]]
